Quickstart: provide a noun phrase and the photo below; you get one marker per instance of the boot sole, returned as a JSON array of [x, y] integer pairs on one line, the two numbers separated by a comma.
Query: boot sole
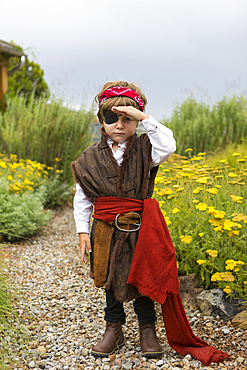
[[102, 354], [152, 354]]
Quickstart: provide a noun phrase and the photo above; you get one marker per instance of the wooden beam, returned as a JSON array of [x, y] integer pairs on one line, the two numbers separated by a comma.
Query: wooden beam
[[3, 84]]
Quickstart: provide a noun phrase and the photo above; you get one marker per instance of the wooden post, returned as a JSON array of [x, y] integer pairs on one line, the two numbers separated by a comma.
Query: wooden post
[[3, 82]]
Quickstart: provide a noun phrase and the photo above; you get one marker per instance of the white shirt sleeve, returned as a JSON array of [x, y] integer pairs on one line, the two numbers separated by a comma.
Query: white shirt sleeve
[[83, 207], [161, 138]]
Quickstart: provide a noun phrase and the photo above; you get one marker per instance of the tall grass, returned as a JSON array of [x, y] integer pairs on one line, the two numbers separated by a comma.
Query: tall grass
[[43, 131], [201, 127], [12, 330]]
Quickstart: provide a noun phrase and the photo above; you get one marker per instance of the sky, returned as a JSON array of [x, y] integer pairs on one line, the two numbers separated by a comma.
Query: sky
[[171, 48]]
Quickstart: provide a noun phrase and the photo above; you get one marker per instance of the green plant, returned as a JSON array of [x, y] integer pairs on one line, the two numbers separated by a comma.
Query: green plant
[[57, 192], [28, 79], [43, 131], [196, 125], [21, 215], [12, 329], [205, 209]]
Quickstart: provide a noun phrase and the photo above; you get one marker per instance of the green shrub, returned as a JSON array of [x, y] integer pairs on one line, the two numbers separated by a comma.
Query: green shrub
[[21, 214], [196, 125], [42, 131]]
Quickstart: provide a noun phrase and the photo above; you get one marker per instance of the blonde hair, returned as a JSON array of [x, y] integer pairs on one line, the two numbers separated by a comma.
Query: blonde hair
[[107, 104]]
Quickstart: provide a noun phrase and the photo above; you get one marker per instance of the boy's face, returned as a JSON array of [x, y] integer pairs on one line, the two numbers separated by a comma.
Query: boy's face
[[122, 129]]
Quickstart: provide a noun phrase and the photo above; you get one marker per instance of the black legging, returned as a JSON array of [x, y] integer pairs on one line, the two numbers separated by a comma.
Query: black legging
[[143, 306]]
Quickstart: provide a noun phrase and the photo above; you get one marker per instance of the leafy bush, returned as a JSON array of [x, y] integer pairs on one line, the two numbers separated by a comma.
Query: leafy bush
[[24, 186], [202, 128], [205, 209], [21, 214], [43, 131]]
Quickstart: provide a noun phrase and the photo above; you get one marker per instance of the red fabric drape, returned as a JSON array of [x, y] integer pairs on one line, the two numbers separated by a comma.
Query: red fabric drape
[[154, 273], [107, 208]]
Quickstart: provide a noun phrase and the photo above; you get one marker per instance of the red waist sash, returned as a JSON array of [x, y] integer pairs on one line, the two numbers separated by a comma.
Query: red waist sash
[[107, 208], [153, 272]]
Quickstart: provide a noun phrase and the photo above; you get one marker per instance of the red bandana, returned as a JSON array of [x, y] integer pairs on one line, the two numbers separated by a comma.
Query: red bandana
[[124, 91]]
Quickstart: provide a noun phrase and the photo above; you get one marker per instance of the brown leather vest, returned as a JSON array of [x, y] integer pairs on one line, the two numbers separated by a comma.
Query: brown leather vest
[[99, 175]]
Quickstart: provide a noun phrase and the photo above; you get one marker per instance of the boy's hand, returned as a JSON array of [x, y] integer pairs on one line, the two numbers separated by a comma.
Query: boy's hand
[[85, 246], [130, 112]]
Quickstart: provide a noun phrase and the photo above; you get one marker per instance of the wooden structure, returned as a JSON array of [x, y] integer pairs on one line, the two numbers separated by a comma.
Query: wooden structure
[[7, 51]]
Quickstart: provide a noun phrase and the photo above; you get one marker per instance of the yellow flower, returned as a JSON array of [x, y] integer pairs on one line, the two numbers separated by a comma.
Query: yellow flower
[[219, 214], [10, 177], [228, 224], [175, 210], [203, 180], [228, 276], [238, 217], [201, 234], [3, 164], [29, 188], [186, 239], [230, 264], [219, 177], [177, 265], [233, 232], [159, 180], [233, 265], [236, 198], [180, 189], [218, 186], [195, 201], [201, 154], [211, 209], [196, 190], [236, 154], [167, 191], [202, 206], [231, 174], [168, 222], [212, 191], [223, 161], [218, 229], [188, 150], [26, 182], [156, 189], [201, 262], [57, 159], [196, 158], [241, 160], [227, 289], [222, 276], [212, 253]]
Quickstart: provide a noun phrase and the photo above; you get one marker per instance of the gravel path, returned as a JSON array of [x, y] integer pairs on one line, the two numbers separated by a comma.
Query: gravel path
[[68, 312]]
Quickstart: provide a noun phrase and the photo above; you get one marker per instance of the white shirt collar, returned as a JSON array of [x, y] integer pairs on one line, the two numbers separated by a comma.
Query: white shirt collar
[[121, 144]]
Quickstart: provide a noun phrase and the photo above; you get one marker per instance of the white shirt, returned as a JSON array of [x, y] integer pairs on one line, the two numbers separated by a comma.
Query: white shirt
[[163, 145]]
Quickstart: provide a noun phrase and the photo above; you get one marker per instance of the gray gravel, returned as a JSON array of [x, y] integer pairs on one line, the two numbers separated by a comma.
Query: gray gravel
[[67, 312]]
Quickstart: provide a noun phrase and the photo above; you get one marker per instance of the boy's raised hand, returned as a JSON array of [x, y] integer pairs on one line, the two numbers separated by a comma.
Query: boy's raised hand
[[130, 112], [85, 246]]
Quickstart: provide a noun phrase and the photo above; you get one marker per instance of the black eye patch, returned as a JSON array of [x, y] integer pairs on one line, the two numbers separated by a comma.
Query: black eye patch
[[109, 117]]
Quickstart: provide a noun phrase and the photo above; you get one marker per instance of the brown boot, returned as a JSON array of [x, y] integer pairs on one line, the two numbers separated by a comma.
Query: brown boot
[[113, 339], [149, 341]]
